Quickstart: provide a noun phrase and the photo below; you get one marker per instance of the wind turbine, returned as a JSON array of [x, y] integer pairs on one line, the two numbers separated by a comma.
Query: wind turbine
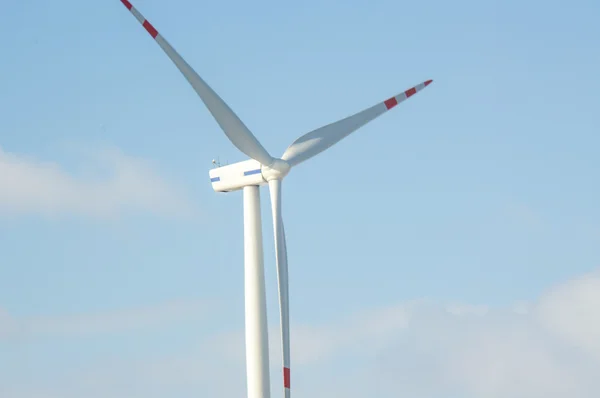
[[248, 176]]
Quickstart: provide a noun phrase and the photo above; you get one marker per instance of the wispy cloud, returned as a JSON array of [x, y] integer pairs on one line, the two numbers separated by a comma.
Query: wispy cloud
[[119, 183], [101, 323], [544, 348]]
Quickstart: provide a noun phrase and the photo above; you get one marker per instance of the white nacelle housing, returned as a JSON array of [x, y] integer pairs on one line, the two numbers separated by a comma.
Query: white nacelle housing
[[236, 176]]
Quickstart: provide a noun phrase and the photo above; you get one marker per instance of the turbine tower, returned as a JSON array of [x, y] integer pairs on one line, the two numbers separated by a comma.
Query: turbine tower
[[248, 176]]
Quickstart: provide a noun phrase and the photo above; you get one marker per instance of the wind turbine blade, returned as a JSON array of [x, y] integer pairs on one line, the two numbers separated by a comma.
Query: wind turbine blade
[[282, 276], [233, 127], [322, 138]]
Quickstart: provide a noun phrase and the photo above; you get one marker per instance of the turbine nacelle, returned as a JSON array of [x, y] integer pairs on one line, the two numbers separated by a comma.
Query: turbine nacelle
[[236, 176]]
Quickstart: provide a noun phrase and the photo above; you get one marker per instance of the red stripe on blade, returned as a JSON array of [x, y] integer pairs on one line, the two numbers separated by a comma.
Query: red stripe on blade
[[286, 377], [410, 92], [153, 32], [390, 103], [428, 82], [127, 4]]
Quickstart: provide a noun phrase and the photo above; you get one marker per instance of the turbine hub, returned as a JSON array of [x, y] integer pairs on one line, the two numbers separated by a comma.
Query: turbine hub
[[276, 170]]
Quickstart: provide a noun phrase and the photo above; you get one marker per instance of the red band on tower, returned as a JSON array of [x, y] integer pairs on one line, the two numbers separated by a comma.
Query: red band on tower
[[286, 377]]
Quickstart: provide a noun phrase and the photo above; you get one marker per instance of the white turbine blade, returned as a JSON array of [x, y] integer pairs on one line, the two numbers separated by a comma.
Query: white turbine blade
[[282, 276], [322, 138], [233, 127]]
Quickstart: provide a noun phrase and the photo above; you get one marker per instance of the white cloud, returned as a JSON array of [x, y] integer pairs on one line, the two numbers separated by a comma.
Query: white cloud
[[119, 184], [546, 348], [572, 312]]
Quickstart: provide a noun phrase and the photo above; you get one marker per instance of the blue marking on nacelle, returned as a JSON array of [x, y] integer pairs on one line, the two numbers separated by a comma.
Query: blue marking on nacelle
[[247, 173], [215, 179]]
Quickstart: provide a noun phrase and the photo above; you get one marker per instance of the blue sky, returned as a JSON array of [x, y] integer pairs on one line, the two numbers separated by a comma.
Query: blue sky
[[480, 190]]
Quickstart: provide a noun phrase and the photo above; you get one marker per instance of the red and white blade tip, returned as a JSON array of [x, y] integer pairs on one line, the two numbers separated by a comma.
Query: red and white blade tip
[[147, 25], [393, 101]]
